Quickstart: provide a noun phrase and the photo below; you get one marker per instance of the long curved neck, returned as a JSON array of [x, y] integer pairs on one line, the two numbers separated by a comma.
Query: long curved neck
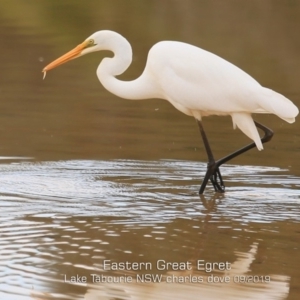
[[139, 88]]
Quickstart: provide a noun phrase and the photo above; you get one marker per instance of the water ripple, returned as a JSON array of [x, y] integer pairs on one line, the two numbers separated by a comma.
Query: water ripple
[[66, 217], [143, 190]]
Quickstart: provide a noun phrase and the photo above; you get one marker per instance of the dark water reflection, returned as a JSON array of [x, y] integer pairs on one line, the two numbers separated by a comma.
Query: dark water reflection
[[112, 179], [62, 219]]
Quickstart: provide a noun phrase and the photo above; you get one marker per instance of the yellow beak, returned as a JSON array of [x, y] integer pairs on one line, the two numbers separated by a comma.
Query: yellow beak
[[65, 58]]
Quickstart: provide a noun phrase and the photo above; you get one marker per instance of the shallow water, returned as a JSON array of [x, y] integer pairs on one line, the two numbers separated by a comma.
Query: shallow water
[[86, 176], [63, 219]]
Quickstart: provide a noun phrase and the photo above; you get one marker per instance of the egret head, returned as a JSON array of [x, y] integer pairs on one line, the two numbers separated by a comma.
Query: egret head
[[87, 46], [100, 40]]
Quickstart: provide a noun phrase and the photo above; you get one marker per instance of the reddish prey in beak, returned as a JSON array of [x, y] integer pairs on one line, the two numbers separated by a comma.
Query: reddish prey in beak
[[74, 53]]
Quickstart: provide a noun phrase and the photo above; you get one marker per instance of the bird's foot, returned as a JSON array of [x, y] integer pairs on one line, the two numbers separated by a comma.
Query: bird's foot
[[217, 181], [214, 175]]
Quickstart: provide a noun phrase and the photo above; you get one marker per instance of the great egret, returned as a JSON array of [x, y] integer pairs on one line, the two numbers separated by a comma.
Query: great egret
[[197, 82]]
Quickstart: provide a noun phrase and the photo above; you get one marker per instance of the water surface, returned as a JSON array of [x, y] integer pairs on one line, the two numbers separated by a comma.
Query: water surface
[[63, 219]]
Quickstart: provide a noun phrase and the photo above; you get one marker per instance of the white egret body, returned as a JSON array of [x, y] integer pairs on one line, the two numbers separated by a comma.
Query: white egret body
[[197, 82]]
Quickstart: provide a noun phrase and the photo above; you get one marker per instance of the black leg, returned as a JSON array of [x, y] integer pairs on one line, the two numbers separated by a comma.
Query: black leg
[[213, 173]]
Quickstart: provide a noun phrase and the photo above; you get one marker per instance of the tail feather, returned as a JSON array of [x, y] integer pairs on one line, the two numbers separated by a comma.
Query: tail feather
[[246, 124], [273, 102]]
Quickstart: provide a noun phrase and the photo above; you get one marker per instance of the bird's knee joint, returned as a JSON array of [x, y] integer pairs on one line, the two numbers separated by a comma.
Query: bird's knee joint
[[268, 135]]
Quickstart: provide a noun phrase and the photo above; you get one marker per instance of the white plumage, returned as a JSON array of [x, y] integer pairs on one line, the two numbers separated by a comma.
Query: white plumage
[[196, 82]]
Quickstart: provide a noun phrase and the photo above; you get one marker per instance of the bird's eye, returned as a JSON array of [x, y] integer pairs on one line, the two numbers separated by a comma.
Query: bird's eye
[[90, 43]]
